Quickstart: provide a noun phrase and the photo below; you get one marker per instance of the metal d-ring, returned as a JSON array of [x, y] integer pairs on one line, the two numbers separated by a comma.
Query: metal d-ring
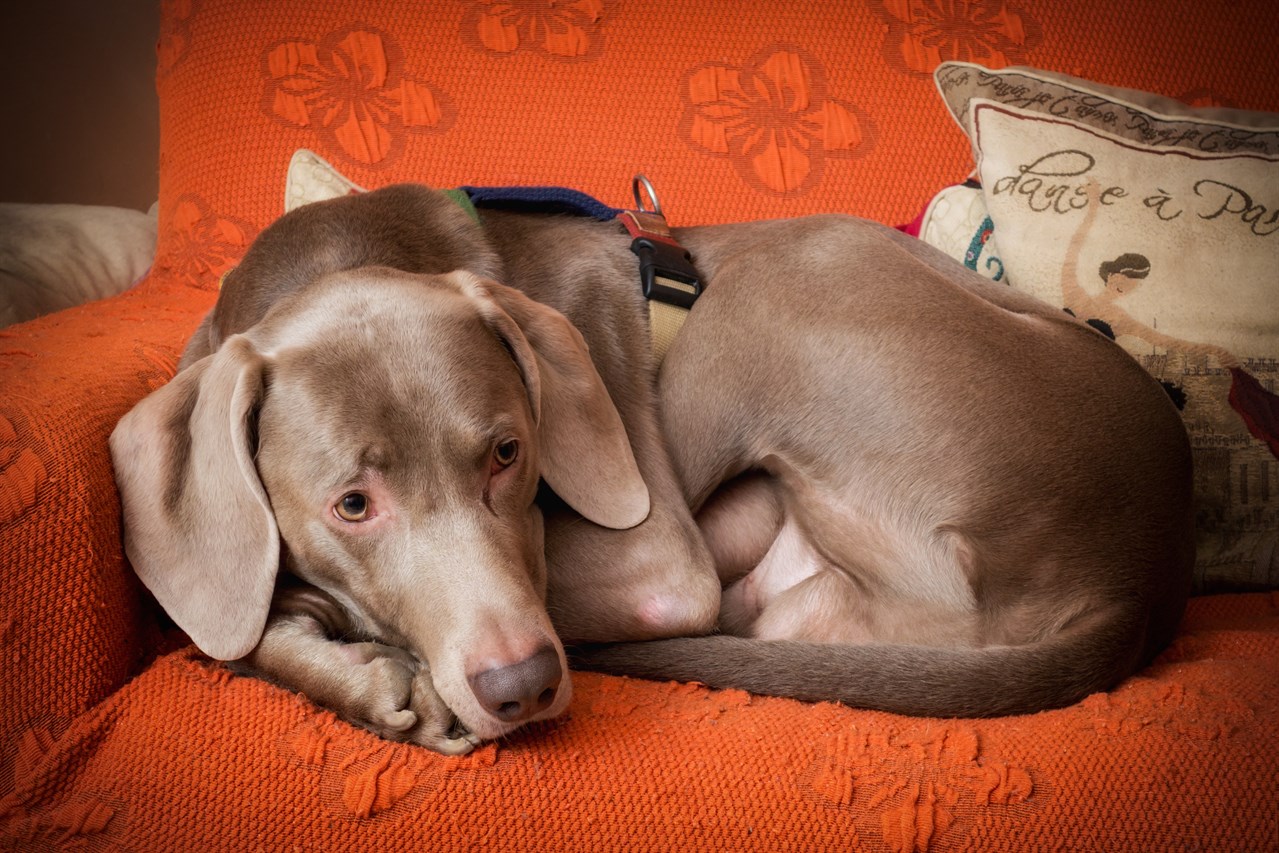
[[641, 182]]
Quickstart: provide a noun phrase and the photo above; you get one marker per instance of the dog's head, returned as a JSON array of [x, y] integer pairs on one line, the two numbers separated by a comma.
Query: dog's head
[[390, 429]]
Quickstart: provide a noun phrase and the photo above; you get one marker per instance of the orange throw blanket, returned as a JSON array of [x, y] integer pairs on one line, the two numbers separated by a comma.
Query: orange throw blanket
[[190, 757]]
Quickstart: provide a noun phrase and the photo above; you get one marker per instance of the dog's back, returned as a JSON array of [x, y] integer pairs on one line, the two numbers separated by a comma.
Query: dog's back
[[976, 504]]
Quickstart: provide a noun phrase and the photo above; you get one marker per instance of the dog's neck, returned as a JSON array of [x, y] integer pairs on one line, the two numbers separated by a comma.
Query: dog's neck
[[663, 269]]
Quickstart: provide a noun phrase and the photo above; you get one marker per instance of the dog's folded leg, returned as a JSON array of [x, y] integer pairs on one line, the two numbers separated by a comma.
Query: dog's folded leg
[[378, 687]]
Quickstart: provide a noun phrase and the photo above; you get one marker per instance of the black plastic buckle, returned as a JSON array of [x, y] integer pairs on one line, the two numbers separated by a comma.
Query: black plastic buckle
[[667, 273]]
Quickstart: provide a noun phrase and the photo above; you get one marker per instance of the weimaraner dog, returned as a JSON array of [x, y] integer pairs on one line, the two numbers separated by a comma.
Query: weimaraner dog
[[862, 473]]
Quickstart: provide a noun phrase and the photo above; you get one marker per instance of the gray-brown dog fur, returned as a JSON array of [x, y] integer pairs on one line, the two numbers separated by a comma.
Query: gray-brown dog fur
[[975, 504]]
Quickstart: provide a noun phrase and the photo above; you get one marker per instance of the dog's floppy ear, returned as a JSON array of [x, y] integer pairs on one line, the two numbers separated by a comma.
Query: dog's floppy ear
[[199, 529], [586, 455]]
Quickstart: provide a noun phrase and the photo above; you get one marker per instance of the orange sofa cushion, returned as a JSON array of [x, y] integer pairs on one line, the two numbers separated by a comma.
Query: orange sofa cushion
[[758, 111], [115, 734], [188, 756]]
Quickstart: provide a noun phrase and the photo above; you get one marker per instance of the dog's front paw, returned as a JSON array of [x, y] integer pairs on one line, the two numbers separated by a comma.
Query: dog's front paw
[[381, 685], [437, 727], [396, 699]]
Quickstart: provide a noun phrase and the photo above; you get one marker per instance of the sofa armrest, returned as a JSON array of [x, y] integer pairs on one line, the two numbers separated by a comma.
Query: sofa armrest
[[76, 623]]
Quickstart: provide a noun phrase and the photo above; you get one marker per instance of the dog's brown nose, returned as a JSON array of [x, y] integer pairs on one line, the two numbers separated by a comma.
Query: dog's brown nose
[[520, 690]]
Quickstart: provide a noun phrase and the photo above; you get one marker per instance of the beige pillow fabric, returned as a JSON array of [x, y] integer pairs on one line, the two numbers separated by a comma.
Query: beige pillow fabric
[[1159, 224], [312, 178], [1136, 116], [54, 256]]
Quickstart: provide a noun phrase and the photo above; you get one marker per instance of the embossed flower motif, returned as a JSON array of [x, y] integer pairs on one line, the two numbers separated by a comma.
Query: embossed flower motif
[[352, 90], [563, 30], [175, 33], [924, 33], [365, 776], [82, 821], [1159, 703], [914, 780], [200, 245], [21, 474], [773, 118], [156, 364]]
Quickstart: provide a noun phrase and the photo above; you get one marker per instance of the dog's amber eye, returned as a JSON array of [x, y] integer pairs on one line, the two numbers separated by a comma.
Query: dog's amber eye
[[505, 454], [354, 506]]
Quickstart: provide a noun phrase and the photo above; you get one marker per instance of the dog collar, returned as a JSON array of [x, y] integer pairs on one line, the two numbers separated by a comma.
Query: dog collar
[[667, 276], [668, 279]]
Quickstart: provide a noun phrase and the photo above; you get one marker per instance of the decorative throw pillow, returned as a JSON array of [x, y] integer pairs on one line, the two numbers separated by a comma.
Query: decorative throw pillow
[[1158, 224], [312, 178], [53, 256], [957, 222]]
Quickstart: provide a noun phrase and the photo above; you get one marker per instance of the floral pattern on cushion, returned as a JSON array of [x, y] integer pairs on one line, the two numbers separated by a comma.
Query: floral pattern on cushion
[[201, 244], [22, 474], [175, 34], [915, 781], [774, 117], [923, 33], [558, 30], [352, 90]]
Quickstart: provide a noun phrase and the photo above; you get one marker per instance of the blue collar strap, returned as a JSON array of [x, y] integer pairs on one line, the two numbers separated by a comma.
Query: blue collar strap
[[541, 200], [668, 278], [666, 270]]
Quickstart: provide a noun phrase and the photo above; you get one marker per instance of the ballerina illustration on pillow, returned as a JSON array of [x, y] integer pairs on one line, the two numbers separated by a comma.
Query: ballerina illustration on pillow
[[1257, 407]]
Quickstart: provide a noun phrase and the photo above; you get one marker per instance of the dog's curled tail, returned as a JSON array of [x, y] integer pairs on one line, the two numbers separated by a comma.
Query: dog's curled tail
[[915, 680]]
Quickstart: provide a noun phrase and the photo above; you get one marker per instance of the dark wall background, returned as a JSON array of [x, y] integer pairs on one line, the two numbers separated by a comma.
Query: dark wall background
[[79, 121]]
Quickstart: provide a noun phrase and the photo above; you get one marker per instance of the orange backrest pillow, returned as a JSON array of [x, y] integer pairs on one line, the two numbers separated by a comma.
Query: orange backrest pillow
[[735, 111]]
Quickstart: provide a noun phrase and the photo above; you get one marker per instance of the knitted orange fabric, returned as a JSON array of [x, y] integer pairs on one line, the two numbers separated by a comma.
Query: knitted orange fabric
[[735, 112], [190, 757]]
